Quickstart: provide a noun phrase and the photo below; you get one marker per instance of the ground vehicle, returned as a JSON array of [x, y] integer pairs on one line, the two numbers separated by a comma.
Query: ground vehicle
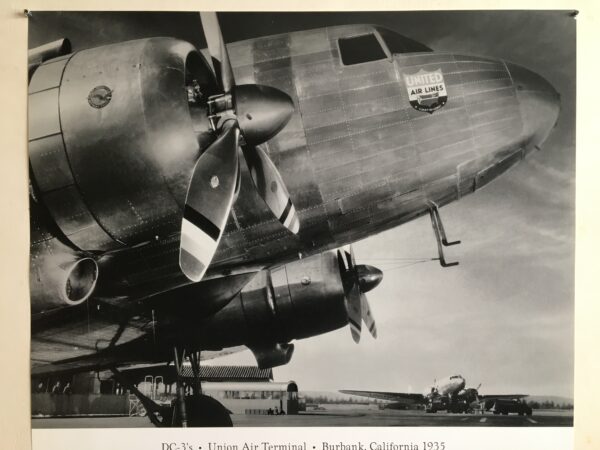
[[502, 406]]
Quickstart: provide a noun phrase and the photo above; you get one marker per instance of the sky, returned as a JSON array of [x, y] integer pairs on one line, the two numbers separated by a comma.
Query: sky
[[504, 316]]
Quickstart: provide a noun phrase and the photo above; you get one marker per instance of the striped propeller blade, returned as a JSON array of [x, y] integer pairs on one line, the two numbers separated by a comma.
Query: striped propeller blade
[[354, 312], [367, 315], [208, 204], [270, 186]]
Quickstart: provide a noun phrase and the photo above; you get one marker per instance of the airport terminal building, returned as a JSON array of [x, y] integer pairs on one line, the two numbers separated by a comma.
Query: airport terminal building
[[241, 389]]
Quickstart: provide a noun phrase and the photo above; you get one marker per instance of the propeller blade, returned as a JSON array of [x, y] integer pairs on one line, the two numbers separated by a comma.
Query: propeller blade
[[238, 182], [354, 312], [353, 296], [349, 260], [343, 260], [352, 258], [365, 308], [217, 50], [208, 204], [270, 187], [367, 316]]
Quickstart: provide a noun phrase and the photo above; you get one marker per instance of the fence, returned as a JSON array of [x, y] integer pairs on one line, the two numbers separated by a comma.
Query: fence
[[79, 405]]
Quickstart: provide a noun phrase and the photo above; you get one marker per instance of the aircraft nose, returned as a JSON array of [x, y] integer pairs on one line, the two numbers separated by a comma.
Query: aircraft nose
[[539, 104]]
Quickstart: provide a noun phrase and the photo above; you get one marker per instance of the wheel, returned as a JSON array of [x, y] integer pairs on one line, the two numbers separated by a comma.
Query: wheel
[[205, 411], [505, 413], [496, 412], [520, 413]]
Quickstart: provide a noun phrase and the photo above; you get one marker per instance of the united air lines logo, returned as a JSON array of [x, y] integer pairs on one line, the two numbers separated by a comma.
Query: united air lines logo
[[426, 90]]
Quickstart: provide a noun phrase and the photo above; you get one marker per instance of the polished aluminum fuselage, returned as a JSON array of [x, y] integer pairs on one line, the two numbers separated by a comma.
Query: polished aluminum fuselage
[[357, 158], [447, 386]]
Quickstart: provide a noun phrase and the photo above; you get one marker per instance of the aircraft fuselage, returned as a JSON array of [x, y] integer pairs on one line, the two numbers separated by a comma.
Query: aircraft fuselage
[[448, 386], [359, 156]]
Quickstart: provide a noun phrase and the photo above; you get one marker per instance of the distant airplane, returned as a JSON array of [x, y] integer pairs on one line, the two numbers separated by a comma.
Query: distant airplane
[[447, 394], [186, 201]]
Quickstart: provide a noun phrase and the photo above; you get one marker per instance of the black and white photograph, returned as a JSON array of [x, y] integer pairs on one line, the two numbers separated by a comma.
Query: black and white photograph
[[302, 219]]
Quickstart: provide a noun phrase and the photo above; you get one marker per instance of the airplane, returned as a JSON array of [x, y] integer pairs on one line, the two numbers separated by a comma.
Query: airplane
[[187, 202], [447, 394]]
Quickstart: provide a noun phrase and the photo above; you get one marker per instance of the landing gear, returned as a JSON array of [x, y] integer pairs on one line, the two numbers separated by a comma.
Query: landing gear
[[440, 235], [195, 410]]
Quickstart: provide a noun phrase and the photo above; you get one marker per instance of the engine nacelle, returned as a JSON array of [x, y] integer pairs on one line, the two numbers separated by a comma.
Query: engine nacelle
[[299, 300], [114, 133]]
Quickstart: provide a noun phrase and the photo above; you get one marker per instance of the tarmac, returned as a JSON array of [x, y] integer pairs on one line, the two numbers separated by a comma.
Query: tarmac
[[340, 418]]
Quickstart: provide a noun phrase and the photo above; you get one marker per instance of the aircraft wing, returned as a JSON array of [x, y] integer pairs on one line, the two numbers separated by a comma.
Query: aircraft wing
[[121, 329], [502, 397], [398, 397], [104, 360]]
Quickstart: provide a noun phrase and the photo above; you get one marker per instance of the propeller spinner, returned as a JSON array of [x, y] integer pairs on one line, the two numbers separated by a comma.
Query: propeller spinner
[[358, 279], [242, 116]]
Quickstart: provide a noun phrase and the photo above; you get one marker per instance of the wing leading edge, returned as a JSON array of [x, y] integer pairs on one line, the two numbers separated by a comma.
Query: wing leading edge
[[103, 361], [398, 397], [503, 397]]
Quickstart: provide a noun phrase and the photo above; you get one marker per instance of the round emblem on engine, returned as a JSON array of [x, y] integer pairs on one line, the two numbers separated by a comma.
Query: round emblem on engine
[[99, 97]]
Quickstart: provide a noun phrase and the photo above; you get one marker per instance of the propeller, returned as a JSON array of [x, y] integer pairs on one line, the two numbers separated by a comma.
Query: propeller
[[471, 396], [358, 279], [243, 116]]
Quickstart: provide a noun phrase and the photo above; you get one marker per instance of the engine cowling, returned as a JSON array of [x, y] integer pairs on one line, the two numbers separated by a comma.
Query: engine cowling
[[299, 300], [114, 132]]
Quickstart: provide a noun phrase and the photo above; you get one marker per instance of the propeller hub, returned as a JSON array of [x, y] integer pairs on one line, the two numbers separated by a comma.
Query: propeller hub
[[471, 395], [262, 111], [369, 277]]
